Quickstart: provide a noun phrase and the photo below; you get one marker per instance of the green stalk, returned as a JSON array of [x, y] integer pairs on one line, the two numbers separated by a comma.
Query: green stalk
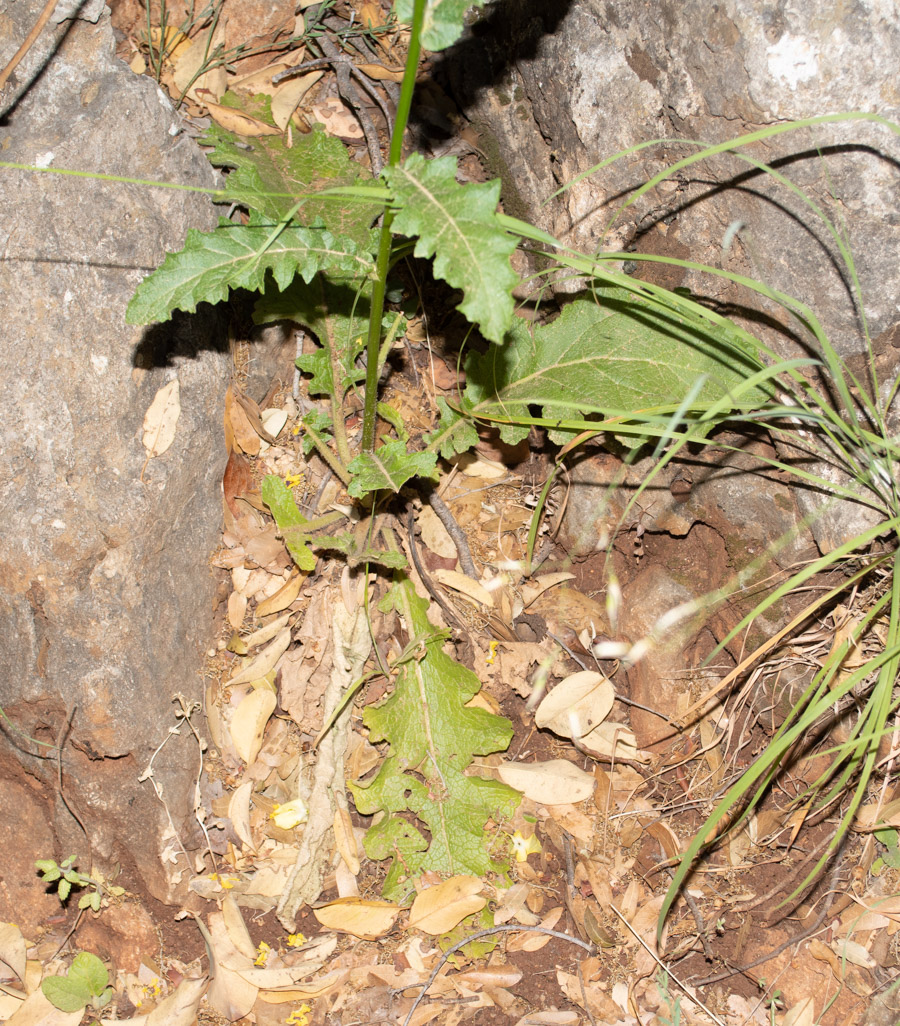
[[382, 261]]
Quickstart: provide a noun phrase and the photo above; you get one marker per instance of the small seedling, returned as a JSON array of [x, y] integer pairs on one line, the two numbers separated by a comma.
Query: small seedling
[[86, 983], [68, 876]]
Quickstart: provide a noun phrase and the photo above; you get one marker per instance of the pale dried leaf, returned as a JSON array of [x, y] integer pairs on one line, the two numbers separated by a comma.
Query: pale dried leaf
[[241, 124], [360, 917], [345, 840], [380, 73], [577, 705], [212, 83], [465, 586], [237, 609], [239, 814], [434, 534], [260, 665], [285, 100], [853, 953], [614, 741], [801, 1014], [282, 598], [13, 951], [161, 419], [556, 782], [248, 723], [438, 909], [531, 592], [36, 1010]]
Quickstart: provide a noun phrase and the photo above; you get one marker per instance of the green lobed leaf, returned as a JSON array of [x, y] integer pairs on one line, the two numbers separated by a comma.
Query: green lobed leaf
[[237, 256], [458, 226], [443, 22], [433, 737], [618, 352], [267, 176], [277, 496], [66, 994], [390, 466]]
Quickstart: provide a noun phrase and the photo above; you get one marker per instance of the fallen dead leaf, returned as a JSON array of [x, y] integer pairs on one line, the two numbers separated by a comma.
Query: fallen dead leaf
[[13, 949], [265, 661], [178, 1009], [36, 1010], [236, 121], [189, 62], [360, 917], [465, 586], [248, 723], [161, 419], [556, 782], [577, 705], [438, 909], [287, 96]]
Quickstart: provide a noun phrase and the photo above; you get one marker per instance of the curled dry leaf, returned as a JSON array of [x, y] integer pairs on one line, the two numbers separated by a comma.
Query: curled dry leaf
[[285, 100], [161, 419], [532, 592], [535, 941], [265, 661], [577, 705], [609, 738], [438, 909], [239, 814], [465, 586], [360, 917], [248, 724], [380, 73], [556, 782], [236, 121], [282, 598]]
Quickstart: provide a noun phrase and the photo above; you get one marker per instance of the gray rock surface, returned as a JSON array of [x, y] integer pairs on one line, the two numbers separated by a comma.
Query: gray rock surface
[[105, 589]]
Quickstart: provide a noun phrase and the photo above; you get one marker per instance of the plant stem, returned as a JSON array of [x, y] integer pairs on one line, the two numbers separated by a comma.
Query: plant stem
[[382, 261]]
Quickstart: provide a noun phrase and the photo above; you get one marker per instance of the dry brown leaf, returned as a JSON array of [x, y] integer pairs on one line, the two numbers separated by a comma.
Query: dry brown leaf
[[512, 906], [438, 909], [380, 73], [161, 419], [599, 1003], [36, 1010], [288, 95], [265, 661], [465, 586], [248, 723], [236, 121], [13, 952], [434, 534], [556, 782], [360, 917], [227, 943], [211, 83], [667, 839], [574, 822], [239, 814], [614, 741], [532, 941], [314, 989], [242, 431], [345, 840], [577, 705], [532, 592], [801, 1014], [282, 598], [338, 121], [237, 609], [172, 42], [266, 633]]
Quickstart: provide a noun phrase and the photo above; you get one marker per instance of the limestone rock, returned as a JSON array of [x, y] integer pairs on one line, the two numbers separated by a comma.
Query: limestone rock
[[105, 590]]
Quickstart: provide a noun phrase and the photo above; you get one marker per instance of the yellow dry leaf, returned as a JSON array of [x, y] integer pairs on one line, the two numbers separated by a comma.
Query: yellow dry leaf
[[210, 84], [438, 909], [288, 95], [345, 840], [380, 73], [236, 121], [556, 782], [137, 64], [173, 43], [283, 597], [360, 917], [577, 705], [13, 951], [265, 661], [248, 724], [465, 586], [161, 419]]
